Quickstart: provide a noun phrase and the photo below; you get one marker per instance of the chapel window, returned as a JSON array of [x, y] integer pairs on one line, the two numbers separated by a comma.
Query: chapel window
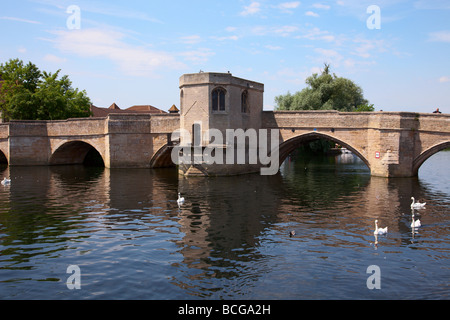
[[218, 99]]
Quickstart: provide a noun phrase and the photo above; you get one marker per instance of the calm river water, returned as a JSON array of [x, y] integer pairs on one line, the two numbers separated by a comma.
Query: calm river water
[[230, 240]]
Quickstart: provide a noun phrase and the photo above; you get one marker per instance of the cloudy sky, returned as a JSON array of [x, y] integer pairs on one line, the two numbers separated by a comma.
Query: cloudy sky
[[133, 52]]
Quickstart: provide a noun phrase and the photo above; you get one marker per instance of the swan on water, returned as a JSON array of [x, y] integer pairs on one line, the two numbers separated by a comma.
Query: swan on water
[[415, 223], [6, 181], [180, 199], [379, 230], [417, 205]]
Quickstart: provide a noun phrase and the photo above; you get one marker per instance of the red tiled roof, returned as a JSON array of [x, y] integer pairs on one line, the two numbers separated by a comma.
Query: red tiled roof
[[114, 108], [145, 109]]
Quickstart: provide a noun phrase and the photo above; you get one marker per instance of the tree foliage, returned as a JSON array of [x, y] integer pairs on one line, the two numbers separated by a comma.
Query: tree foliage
[[324, 92], [26, 93]]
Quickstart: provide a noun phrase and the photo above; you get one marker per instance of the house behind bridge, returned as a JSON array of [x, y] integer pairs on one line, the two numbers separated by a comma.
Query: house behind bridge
[[98, 112]]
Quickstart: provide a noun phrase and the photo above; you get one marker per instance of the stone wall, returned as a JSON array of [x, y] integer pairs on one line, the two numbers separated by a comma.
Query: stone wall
[[196, 103], [123, 141], [392, 144]]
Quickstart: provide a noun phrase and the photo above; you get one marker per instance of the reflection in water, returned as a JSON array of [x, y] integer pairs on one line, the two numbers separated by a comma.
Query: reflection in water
[[230, 240]]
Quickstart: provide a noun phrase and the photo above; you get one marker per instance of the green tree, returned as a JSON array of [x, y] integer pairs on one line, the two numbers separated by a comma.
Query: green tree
[[365, 108], [324, 92], [26, 93]]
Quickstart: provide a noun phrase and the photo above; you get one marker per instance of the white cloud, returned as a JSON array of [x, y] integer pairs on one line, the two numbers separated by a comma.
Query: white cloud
[[253, 8], [288, 6], [285, 30], [444, 79], [198, 56], [321, 6], [234, 38], [366, 48], [270, 47], [123, 12], [111, 45], [193, 39], [20, 20], [328, 53], [432, 5], [330, 56], [440, 36], [358, 9], [317, 34], [259, 30], [311, 14], [54, 59]]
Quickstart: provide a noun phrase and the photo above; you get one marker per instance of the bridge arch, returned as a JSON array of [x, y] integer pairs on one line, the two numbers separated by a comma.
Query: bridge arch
[[293, 143], [3, 158], [75, 152], [417, 163], [162, 158]]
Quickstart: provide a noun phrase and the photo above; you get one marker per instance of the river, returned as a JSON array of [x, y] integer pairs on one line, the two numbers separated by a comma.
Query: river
[[231, 238]]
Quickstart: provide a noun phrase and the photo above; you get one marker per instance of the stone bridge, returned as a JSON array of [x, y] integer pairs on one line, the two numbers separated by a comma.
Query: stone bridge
[[122, 141], [391, 144]]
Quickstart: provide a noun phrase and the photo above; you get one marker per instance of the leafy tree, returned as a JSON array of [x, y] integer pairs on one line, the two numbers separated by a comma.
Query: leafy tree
[[365, 108], [26, 93], [324, 92]]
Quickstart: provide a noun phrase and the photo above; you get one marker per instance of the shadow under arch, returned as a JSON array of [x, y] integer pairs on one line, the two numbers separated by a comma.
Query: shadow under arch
[[3, 159], [76, 152], [162, 158], [417, 163], [291, 144]]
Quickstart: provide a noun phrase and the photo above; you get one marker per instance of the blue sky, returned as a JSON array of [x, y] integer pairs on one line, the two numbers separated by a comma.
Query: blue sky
[[133, 52]]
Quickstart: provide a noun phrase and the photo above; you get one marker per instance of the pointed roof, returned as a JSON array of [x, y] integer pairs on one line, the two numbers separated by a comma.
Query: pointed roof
[[174, 109], [114, 106]]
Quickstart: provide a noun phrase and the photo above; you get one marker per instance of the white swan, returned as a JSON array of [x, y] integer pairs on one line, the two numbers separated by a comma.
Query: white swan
[[417, 205], [415, 223], [180, 199], [379, 230], [6, 182]]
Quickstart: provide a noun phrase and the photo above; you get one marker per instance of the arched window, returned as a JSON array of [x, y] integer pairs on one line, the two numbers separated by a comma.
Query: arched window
[[218, 99], [244, 102]]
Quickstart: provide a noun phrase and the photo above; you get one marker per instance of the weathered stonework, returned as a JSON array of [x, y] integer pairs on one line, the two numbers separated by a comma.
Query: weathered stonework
[[392, 144]]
